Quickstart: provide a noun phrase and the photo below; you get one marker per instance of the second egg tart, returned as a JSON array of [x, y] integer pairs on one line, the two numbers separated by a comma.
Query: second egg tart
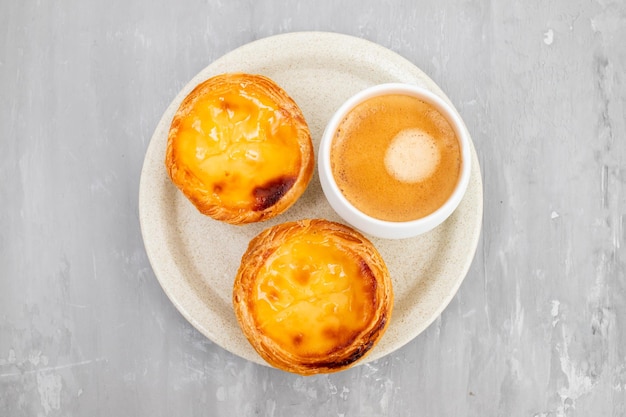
[[239, 148], [312, 296]]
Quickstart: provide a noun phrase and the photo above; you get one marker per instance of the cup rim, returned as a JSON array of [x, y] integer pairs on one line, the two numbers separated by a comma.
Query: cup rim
[[384, 228]]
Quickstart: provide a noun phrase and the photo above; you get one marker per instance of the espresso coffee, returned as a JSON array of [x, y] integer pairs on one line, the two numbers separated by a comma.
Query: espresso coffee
[[395, 158]]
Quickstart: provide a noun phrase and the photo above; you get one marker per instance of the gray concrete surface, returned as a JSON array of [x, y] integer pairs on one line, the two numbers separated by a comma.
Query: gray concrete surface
[[538, 328]]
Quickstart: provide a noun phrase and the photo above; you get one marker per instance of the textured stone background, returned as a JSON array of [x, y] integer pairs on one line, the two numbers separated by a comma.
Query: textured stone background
[[537, 329]]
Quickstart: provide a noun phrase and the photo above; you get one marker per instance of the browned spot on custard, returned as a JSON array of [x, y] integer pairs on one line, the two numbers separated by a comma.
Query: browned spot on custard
[[340, 336], [273, 295], [218, 187], [267, 195], [330, 333], [297, 339], [225, 105], [302, 277]]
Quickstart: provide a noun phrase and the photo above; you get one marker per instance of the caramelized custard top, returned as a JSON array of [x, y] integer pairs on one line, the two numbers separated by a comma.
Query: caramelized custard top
[[239, 143], [314, 296]]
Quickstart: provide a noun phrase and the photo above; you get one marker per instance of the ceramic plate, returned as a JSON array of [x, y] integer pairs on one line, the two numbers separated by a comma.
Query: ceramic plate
[[196, 258]]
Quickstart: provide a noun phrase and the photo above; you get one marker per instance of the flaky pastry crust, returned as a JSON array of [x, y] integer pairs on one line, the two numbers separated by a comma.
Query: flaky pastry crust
[[312, 296], [239, 148]]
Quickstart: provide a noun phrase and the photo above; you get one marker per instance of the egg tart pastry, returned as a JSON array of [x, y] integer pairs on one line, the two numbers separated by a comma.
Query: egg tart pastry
[[312, 296], [239, 148]]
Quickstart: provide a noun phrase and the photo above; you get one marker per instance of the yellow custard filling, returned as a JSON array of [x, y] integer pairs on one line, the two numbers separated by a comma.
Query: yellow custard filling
[[240, 145], [313, 296]]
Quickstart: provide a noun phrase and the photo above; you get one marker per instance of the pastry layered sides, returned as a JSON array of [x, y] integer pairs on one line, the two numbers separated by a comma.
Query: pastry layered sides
[[239, 149], [311, 296]]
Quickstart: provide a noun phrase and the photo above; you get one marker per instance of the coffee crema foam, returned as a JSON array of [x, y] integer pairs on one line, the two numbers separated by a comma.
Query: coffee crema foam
[[412, 156], [396, 158]]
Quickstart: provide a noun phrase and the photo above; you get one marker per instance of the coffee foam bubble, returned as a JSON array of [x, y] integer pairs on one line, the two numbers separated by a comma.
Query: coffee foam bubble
[[412, 156]]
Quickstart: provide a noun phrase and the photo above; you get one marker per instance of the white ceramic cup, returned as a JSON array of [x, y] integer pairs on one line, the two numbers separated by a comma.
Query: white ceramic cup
[[382, 228]]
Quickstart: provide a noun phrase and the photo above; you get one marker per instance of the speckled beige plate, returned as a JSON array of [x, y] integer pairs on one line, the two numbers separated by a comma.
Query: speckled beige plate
[[196, 258]]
